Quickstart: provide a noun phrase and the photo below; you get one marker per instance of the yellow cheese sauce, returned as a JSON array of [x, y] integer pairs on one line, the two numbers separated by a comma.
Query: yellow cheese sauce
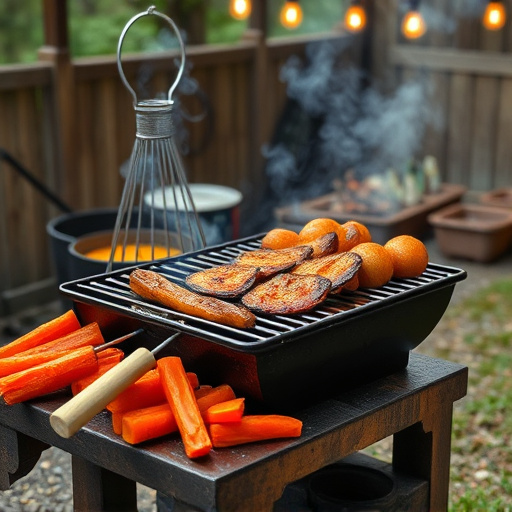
[[145, 253]]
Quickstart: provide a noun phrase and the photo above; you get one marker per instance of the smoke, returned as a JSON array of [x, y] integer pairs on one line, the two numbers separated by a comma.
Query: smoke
[[336, 120]]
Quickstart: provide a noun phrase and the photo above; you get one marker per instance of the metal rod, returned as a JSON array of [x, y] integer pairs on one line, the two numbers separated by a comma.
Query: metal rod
[[118, 340]]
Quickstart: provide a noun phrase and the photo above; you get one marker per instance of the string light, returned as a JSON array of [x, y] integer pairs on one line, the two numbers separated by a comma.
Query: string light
[[494, 16], [413, 24], [240, 9], [355, 17], [291, 14]]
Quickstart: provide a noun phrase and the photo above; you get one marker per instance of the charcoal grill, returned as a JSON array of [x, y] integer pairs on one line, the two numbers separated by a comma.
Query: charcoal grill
[[284, 361]]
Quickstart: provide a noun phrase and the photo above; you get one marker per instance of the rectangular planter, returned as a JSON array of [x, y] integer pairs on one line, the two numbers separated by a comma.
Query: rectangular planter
[[411, 220], [501, 198], [470, 231]]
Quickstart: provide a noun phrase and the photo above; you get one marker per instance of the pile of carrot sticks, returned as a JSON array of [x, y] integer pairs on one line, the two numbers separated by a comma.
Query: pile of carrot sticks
[[165, 401]]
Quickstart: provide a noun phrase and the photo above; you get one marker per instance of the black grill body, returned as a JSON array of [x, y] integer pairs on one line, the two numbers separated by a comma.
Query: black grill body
[[284, 361]]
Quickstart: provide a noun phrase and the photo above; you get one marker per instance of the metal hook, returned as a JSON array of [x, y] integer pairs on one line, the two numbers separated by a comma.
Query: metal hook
[[151, 11]]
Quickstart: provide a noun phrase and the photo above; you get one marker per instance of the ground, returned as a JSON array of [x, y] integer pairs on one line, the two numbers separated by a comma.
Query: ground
[[481, 459]]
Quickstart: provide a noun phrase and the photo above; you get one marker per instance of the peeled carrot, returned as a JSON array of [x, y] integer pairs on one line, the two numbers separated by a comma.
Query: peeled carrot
[[180, 396], [225, 412], [117, 421], [88, 335], [48, 377], [202, 390], [145, 392], [144, 426], [148, 423], [254, 428], [56, 328], [107, 359], [219, 394]]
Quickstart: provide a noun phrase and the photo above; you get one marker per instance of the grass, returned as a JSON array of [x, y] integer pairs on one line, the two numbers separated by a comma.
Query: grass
[[477, 332]]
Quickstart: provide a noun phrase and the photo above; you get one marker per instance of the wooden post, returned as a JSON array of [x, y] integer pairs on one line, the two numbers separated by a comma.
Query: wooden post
[[258, 19], [56, 51], [258, 113]]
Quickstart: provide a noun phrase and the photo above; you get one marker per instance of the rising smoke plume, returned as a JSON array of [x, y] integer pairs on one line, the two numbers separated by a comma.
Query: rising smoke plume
[[336, 120]]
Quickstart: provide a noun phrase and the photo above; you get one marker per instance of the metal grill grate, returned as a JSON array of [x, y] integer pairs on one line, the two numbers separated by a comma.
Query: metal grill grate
[[112, 291]]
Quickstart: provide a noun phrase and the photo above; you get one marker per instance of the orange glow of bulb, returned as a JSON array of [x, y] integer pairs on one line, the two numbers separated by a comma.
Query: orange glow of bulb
[[413, 25], [355, 18], [291, 14], [494, 16], [240, 9]]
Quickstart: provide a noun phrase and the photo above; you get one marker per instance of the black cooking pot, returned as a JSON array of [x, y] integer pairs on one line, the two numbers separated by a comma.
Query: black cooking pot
[[65, 229]]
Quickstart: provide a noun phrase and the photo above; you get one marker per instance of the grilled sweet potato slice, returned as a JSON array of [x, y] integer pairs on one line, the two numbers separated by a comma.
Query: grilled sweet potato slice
[[287, 294], [338, 268], [153, 286], [324, 245], [271, 262], [225, 281]]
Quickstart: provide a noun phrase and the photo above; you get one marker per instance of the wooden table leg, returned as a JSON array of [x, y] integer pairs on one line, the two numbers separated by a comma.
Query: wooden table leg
[[424, 450], [19, 454], [97, 489]]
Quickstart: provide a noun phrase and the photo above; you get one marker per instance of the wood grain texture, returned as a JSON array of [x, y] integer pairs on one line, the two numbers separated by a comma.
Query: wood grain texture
[[414, 405]]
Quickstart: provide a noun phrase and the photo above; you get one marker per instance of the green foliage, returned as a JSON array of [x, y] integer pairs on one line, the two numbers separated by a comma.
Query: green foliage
[[21, 30], [478, 332], [94, 26]]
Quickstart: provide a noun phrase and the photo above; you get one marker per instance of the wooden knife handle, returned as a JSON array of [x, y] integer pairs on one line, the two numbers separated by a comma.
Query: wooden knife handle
[[75, 413]]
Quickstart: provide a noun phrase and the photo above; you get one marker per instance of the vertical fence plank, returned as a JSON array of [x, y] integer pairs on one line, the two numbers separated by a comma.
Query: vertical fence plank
[[436, 136], [485, 104], [459, 121], [34, 234], [85, 160], [503, 177]]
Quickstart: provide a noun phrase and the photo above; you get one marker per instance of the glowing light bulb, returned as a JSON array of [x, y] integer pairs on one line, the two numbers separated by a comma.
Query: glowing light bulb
[[413, 25], [240, 9], [494, 16], [355, 18], [291, 14]]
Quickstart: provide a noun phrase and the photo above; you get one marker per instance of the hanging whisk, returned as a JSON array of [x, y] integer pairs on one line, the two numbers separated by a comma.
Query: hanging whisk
[[157, 216]]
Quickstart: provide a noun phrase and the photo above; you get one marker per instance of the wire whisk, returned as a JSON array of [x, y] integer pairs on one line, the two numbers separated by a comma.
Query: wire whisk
[[157, 217]]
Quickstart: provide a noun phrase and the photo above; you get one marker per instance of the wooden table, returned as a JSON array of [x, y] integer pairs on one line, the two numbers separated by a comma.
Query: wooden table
[[414, 405]]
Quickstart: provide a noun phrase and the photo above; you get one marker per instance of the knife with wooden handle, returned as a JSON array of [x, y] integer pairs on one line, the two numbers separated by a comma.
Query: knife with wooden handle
[[78, 411]]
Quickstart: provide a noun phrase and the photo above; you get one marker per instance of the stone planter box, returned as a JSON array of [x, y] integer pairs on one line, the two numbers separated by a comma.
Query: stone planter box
[[410, 220], [474, 232], [501, 197]]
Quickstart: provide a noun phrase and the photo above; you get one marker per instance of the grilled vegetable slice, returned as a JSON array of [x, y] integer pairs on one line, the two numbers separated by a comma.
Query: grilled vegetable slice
[[324, 245], [287, 294], [271, 262], [225, 281], [338, 268], [153, 286]]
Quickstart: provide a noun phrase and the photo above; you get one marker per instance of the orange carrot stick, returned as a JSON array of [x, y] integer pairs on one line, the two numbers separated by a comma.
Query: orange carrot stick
[[56, 328], [48, 377], [88, 335], [180, 396], [145, 392], [148, 423], [254, 428], [106, 359], [219, 394], [225, 412], [202, 390], [144, 426], [117, 421]]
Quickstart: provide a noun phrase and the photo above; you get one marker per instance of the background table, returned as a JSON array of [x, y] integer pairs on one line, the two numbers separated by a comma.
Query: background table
[[414, 405]]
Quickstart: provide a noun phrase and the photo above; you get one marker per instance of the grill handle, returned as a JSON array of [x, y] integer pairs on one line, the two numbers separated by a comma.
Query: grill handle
[[78, 411]]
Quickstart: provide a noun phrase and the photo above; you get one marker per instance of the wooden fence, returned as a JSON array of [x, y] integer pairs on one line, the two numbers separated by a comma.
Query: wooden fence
[[471, 70], [72, 125], [71, 122]]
